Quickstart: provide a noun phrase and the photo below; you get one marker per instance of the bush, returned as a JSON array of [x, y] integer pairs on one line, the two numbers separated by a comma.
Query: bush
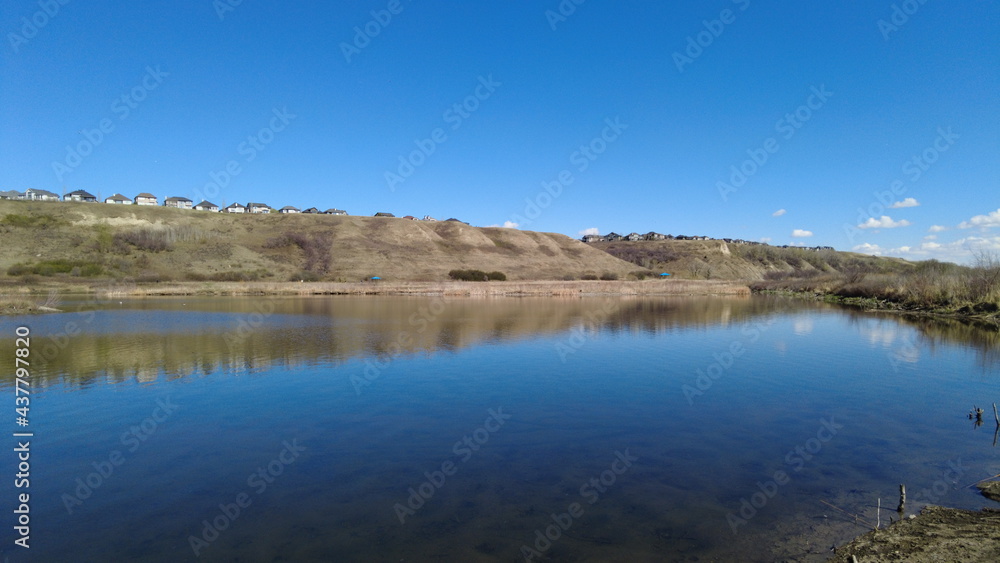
[[31, 221], [53, 267], [497, 276], [609, 276], [589, 277], [468, 275]]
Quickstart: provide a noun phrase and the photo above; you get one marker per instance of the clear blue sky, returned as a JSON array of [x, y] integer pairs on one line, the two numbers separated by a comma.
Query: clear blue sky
[[333, 121]]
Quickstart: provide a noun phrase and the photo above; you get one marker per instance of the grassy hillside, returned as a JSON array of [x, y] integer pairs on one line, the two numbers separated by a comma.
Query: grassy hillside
[[715, 259], [43, 240]]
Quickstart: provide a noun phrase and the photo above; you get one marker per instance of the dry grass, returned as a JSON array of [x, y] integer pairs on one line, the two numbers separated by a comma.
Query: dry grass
[[170, 245], [929, 285], [515, 288]]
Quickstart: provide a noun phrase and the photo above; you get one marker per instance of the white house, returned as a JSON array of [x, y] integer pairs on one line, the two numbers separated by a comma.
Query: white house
[[32, 194], [178, 202], [146, 198], [118, 199], [235, 208], [207, 206], [289, 209], [258, 207]]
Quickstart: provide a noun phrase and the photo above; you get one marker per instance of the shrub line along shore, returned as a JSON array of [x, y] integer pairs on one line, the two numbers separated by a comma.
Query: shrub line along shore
[[875, 305]]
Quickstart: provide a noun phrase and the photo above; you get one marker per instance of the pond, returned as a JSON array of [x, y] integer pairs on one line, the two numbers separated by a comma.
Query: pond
[[430, 428]]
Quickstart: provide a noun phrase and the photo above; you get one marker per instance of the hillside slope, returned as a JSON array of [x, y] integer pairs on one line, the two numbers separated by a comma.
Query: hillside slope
[[716, 259], [157, 243]]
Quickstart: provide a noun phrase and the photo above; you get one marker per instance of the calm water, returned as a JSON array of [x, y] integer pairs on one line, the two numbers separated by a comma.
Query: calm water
[[417, 429]]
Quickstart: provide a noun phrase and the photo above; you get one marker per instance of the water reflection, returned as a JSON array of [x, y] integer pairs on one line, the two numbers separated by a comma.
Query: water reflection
[[184, 337]]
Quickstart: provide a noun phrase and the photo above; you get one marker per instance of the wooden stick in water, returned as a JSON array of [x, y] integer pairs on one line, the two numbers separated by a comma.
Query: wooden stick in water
[[902, 501]]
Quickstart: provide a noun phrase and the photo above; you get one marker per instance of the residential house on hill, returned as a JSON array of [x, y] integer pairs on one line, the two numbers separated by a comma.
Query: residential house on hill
[[118, 199], [653, 235], [382, 214], [311, 210], [80, 195], [289, 209], [333, 211], [31, 194], [258, 207], [235, 208], [592, 238], [613, 236], [207, 206], [429, 218], [178, 202], [633, 237], [146, 198], [12, 194]]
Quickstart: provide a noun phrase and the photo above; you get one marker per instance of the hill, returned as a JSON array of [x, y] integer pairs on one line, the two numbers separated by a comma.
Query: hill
[[716, 259], [148, 243]]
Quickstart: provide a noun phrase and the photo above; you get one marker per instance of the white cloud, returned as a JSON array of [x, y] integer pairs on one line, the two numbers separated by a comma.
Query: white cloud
[[765, 239], [884, 222], [778, 213], [908, 202], [990, 220], [937, 229], [590, 231], [961, 250], [510, 225], [800, 233], [930, 237], [866, 248]]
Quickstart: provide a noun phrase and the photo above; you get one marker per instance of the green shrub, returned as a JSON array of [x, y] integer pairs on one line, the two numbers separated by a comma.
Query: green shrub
[[497, 276], [471, 275], [589, 277], [609, 276]]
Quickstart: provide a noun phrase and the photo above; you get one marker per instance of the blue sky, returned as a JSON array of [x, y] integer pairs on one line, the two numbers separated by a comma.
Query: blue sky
[[794, 124]]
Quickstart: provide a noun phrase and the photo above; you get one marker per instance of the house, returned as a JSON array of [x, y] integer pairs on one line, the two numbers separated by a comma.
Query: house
[[32, 194], [653, 235], [429, 218], [118, 199], [289, 209], [258, 207], [613, 236], [207, 206], [333, 211], [312, 210], [146, 198], [592, 238], [633, 237], [410, 217], [80, 195], [178, 202], [12, 194], [381, 214], [235, 208]]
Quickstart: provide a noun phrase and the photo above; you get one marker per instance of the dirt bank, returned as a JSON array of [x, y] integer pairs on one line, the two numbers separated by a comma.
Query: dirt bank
[[936, 534]]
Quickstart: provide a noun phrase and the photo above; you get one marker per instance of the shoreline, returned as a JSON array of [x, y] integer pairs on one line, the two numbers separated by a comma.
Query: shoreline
[[22, 300], [935, 534], [873, 305]]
